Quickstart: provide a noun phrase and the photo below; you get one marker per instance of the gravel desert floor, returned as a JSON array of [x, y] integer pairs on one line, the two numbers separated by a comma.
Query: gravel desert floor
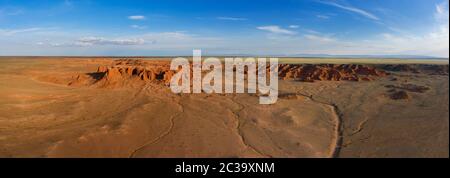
[[105, 107]]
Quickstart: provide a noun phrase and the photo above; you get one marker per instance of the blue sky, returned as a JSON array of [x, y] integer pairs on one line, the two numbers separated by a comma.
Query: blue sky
[[263, 27]]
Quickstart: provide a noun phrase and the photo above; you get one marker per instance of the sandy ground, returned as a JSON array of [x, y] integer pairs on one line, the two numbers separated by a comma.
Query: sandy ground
[[41, 116]]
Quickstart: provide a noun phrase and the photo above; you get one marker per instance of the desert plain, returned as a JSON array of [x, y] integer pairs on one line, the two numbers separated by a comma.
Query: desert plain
[[122, 108]]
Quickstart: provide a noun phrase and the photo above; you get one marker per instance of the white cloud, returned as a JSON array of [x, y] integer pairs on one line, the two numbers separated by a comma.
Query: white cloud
[[311, 31], [136, 17], [352, 9], [276, 29], [317, 38], [232, 18], [103, 41], [441, 8], [92, 41], [58, 44], [323, 17], [164, 41], [9, 32], [138, 27], [179, 40], [294, 26], [441, 13]]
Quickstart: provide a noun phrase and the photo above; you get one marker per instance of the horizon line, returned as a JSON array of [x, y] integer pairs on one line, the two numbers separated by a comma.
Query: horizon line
[[411, 57]]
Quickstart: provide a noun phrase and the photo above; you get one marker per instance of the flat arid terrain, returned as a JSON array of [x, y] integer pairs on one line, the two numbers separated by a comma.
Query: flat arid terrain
[[123, 107]]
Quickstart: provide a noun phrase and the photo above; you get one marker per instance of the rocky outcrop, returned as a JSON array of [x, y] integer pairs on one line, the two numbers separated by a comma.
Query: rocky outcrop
[[329, 72], [410, 87], [398, 95], [400, 92], [126, 73], [117, 73], [122, 72], [416, 68]]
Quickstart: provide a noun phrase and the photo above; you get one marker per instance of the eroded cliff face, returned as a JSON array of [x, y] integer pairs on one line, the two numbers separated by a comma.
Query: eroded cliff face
[[123, 72], [128, 72], [329, 72], [116, 73], [416, 68]]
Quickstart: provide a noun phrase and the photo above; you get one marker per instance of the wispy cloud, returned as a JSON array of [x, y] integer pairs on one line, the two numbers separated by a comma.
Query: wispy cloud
[[441, 8], [352, 9], [136, 17], [441, 13], [138, 27], [276, 29], [104, 41], [294, 26], [323, 17], [93, 41], [232, 18], [10, 32], [311, 31], [322, 39], [11, 11]]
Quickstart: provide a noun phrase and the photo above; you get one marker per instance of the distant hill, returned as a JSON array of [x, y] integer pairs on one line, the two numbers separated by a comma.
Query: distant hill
[[364, 56], [338, 56], [253, 55]]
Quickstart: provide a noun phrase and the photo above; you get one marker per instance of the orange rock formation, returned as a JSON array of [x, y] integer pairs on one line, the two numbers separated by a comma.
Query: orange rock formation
[[159, 72], [329, 72]]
